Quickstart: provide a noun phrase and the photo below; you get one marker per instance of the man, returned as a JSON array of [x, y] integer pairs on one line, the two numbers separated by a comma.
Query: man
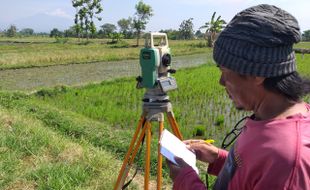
[[256, 58]]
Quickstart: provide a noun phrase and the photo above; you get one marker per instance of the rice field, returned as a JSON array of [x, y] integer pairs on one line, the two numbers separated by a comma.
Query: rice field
[[40, 52], [45, 51], [75, 137]]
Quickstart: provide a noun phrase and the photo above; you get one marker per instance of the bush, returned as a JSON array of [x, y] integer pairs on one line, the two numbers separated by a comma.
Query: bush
[[85, 43], [116, 37], [200, 44], [61, 40], [120, 44], [51, 92]]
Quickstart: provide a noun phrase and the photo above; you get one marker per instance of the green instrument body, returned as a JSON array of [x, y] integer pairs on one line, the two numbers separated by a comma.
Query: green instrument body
[[155, 62], [149, 62]]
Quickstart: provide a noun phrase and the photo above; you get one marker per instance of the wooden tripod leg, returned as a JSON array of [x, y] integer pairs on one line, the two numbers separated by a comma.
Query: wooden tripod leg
[[147, 155], [174, 125], [126, 165], [160, 158]]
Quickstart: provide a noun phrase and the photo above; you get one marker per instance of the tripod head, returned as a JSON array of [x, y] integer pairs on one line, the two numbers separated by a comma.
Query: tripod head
[[155, 62]]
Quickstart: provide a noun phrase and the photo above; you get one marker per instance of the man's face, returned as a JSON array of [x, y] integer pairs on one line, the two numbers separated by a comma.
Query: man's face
[[240, 88]]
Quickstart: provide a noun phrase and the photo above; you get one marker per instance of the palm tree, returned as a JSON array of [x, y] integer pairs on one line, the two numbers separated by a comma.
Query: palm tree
[[212, 28]]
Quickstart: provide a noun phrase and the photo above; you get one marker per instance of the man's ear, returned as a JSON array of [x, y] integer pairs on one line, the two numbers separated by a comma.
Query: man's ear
[[259, 80]]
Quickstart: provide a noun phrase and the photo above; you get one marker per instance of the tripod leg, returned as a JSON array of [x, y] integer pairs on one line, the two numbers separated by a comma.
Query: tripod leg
[[160, 158], [147, 156], [129, 164], [174, 125], [133, 155], [126, 165]]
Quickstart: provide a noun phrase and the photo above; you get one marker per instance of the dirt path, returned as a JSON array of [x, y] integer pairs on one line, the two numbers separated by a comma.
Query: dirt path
[[30, 79]]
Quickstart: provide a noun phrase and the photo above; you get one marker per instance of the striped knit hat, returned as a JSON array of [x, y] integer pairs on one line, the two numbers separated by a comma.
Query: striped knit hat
[[259, 42]]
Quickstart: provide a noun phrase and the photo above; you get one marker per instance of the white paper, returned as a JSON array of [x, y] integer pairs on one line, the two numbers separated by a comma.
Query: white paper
[[172, 147]]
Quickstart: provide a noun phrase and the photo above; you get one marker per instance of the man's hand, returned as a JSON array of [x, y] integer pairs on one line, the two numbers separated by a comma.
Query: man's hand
[[176, 169], [204, 151]]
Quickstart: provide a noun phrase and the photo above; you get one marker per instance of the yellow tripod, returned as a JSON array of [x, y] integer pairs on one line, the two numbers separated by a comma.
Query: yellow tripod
[[152, 111]]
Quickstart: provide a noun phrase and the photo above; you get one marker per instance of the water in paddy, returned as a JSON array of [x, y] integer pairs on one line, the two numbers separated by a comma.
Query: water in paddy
[[28, 79]]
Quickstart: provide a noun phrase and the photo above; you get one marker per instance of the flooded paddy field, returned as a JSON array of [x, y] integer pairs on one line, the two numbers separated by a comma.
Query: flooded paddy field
[[29, 79]]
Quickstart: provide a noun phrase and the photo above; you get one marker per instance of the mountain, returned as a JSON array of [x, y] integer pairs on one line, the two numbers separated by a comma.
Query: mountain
[[43, 22]]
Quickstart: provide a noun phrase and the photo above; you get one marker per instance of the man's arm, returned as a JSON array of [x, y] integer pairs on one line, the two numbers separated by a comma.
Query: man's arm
[[217, 165], [188, 180]]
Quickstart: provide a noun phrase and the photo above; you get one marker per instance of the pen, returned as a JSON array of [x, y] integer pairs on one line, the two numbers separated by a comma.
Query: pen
[[209, 141]]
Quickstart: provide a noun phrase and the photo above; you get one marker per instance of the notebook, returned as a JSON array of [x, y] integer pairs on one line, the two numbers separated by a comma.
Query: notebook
[[171, 146]]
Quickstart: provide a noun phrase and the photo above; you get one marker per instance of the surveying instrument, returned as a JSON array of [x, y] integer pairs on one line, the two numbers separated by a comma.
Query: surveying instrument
[[155, 62]]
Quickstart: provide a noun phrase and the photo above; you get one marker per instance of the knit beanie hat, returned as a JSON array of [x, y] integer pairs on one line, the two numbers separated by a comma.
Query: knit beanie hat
[[259, 42]]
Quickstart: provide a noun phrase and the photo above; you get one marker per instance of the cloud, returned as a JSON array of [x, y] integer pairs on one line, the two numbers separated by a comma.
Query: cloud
[[59, 13]]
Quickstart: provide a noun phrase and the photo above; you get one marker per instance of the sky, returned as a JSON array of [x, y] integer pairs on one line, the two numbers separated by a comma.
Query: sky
[[44, 15]]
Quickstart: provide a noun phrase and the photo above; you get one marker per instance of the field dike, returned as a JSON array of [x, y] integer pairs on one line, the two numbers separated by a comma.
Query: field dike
[[35, 157], [44, 147]]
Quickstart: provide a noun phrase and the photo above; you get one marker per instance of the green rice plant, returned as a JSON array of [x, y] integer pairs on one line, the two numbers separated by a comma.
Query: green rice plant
[[219, 121], [119, 102], [103, 117], [199, 131]]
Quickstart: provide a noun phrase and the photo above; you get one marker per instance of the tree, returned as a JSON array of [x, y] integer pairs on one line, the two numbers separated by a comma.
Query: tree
[[306, 35], [212, 28], [186, 29], [107, 29], [78, 19], [115, 37], [55, 33], [141, 18], [71, 32], [27, 32], [43, 34], [86, 11], [11, 31], [199, 34], [125, 27], [171, 34]]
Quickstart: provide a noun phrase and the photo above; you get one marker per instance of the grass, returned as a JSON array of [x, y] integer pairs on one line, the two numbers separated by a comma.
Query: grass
[[304, 45], [35, 157], [303, 62], [94, 101], [44, 51], [104, 116], [76, 129], [117, 132], [76, 137], [32, 52], [37, 55]]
